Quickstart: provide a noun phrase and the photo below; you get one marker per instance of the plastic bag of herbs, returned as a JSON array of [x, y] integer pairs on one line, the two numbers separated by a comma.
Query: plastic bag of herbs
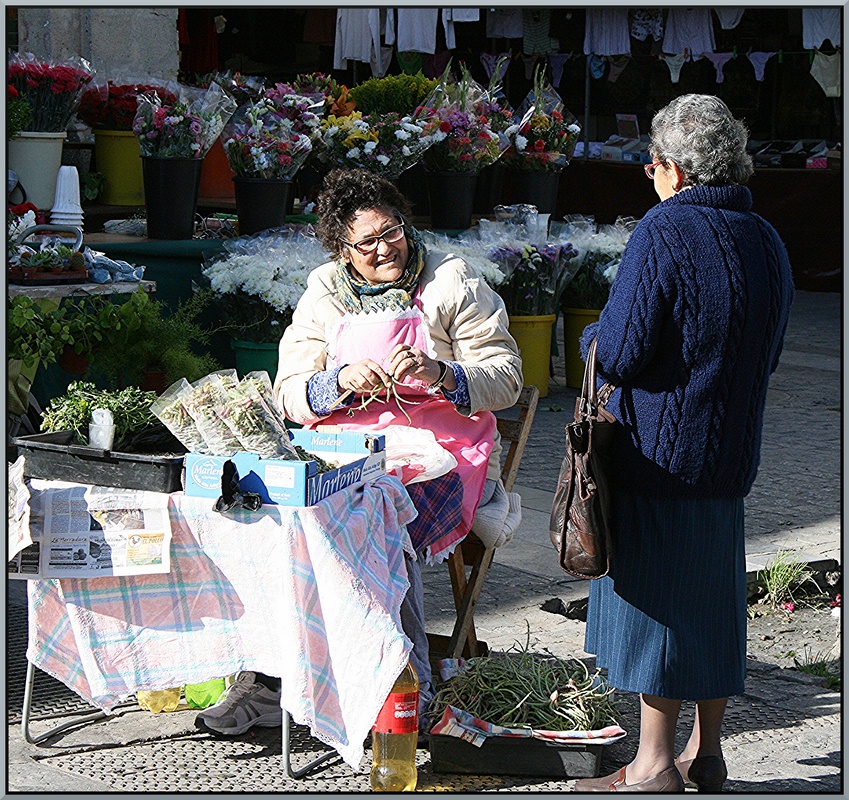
[[137, 430], [522, 689]]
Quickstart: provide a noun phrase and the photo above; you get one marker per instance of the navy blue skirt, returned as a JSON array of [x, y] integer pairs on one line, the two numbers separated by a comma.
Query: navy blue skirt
[[670, 618]]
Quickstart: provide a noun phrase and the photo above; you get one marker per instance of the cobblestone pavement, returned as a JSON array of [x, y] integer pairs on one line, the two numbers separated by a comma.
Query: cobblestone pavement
[[782, 736]]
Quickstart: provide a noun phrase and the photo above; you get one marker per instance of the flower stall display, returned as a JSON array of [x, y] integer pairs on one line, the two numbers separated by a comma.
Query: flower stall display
[[257, 282], [477, 258], [173, 138], [51, 90], [463, 143], [386, 144], [112, 105], [267, 142], [541, 143]]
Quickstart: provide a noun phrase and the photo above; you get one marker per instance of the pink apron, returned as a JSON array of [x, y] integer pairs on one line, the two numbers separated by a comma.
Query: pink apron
[[469, 439]]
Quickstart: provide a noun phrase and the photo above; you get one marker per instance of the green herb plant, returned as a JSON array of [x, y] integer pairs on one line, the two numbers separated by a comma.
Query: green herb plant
[[36, 331], [130, 409]]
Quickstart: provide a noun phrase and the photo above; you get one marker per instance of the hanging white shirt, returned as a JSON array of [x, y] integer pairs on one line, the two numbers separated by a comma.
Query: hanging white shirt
[[819, 24], [357, 36], [416, 31], [452, 15], [689, 29], [607, 32], [504, 23]]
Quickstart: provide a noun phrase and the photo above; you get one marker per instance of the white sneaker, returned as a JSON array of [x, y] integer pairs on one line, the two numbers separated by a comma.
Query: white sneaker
[[245, 703]]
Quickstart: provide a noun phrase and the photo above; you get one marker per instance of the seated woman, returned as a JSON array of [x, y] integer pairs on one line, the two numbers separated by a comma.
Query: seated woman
[[390, 334]]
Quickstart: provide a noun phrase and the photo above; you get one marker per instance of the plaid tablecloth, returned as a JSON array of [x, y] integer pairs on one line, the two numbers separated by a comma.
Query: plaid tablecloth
[[311, 595]]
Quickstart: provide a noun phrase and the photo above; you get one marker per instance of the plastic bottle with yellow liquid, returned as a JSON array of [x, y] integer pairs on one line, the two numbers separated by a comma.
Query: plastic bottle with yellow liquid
[[159, 700], [394, 737]]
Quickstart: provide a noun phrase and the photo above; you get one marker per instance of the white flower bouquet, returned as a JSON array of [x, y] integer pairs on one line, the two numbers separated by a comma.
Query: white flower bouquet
[[258, 280]]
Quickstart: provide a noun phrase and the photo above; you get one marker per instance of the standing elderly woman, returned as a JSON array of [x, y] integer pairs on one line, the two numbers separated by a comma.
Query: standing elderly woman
[[690, 335], [387, 313]]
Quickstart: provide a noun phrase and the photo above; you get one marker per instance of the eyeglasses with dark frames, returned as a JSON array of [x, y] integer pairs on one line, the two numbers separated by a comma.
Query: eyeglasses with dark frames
[[652, 168], [370, 243]]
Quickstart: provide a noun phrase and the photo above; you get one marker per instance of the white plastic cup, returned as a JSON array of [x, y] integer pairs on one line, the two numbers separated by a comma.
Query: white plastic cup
[[101, 436]]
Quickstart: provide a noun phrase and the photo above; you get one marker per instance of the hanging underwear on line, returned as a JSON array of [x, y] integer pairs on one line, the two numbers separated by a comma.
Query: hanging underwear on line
[[557, 61], [719, 60], [617, 64], [596, 65], [674, 63], [759, 60], [490, 63], [825, 70]]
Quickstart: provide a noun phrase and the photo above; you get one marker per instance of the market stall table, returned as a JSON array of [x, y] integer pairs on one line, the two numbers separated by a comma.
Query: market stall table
[[45, 291], [308, 594]]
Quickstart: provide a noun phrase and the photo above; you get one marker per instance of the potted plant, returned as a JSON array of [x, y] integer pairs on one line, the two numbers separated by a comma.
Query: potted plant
[[153, 347], [91, 321], [256, 284], [52, 91], [541, 144], [173, 138]]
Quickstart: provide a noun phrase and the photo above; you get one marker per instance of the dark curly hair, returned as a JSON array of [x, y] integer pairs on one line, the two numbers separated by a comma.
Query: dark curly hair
[[347, 191]]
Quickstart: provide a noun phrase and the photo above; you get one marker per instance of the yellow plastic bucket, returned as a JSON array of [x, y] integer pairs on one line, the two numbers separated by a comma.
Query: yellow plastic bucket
[[533, 335], [119, 161], [574, 322]]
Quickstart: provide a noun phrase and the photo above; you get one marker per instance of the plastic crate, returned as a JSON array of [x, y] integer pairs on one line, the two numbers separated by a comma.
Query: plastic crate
[[505, 755], [55, 456]]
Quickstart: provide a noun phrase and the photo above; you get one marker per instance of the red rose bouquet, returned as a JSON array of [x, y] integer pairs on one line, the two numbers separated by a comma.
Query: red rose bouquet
[[52, 90]]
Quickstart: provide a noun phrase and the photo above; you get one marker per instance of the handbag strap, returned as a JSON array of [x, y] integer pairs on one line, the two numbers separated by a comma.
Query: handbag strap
[[592, 400]]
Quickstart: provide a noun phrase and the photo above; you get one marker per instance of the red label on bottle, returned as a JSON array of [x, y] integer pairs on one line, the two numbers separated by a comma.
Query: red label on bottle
[[400, 714]]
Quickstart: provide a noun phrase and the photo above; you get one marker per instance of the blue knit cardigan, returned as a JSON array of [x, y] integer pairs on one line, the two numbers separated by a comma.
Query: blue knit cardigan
[[691, 332]]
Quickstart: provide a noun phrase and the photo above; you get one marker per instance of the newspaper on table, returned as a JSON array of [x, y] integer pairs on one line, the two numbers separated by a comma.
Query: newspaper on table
[[23, 552], [93, 531]]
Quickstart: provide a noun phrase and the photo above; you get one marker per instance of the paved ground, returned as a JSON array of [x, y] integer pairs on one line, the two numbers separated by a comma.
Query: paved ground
[[782, 735]]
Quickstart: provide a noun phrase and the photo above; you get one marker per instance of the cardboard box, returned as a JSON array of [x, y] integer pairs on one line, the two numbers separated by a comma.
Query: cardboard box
[[362, 457], [628, 133], [637, 152], [833, 158], [611, 150]]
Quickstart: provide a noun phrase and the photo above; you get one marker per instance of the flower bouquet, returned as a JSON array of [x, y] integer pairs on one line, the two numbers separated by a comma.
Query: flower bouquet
[[112, 105], [261, 142], [301, 112], [463, 139], [185, 126], [536, 269], [53, 90], [258, 281], [545, 137], [317, 86], [386, 144], [242, 88]]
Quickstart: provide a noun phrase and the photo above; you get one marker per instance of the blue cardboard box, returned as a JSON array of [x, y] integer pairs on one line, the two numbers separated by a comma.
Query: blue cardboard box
[[361, 456]]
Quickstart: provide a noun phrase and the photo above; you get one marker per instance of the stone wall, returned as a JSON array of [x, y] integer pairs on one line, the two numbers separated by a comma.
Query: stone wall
[[136, 42]]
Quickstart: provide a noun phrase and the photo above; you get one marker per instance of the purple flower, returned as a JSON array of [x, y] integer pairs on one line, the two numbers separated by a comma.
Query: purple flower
[[195, 127], [152, 134]]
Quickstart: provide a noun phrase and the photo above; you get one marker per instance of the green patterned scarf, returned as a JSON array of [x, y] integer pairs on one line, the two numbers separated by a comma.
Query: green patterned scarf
[[357, 295]]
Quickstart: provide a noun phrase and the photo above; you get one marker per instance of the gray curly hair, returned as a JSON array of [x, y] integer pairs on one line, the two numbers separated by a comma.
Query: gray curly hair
[[699, 133]]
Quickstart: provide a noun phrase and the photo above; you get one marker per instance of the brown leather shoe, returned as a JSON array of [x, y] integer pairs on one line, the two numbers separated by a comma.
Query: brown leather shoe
[[706, 773], [667, 781]]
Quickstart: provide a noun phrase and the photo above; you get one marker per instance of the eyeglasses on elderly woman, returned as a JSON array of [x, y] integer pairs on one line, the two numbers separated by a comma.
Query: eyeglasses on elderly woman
[[369, 244], [652, 168]]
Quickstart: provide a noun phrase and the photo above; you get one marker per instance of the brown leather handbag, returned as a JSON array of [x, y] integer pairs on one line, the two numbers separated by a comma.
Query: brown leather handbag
[[581, 515]]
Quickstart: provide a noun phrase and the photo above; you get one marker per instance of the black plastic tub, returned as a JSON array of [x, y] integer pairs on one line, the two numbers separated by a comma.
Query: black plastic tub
[[505, 755], [56, 457]]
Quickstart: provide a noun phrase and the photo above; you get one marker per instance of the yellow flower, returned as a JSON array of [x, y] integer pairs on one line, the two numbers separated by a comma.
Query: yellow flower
[[343, 123], [540, 121]]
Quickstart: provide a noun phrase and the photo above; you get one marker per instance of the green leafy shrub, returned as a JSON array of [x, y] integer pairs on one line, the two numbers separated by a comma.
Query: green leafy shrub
[[400, 94]]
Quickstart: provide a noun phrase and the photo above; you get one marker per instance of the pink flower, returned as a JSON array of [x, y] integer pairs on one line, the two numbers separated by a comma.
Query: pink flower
[[788, 606], [836, 602]]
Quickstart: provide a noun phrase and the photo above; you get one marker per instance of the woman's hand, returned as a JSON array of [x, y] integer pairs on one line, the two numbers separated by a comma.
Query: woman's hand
[[362, 376], [405, 361]]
